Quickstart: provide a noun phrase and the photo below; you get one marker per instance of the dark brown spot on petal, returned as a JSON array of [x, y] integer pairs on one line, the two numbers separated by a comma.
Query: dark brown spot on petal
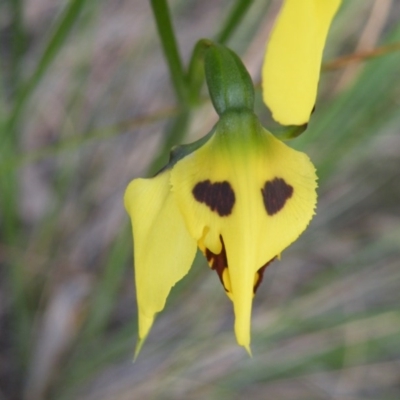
[[260, 274], [218, 196], [275, 193], [218, 262]]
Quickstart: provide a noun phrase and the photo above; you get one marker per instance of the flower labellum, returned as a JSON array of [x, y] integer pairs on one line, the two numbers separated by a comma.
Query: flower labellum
[[239, 194]]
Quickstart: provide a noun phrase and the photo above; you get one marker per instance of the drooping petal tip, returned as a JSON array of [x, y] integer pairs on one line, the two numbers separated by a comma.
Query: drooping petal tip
[[164, 250], [248, 349], [138, 348], [292, 62]]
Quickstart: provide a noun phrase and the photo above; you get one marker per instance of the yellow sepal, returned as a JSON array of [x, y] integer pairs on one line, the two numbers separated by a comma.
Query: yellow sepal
[[292, 62]]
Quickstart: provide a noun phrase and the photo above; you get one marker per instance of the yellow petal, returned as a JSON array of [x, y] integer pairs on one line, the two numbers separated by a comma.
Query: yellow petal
[[164, 250], [293, 59], [236, 187]]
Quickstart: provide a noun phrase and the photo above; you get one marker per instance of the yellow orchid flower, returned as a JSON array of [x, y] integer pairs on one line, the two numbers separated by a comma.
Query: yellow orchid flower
[[239, 194]]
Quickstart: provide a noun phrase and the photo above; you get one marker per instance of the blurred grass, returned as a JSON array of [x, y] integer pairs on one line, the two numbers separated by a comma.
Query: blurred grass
[[85, 107]]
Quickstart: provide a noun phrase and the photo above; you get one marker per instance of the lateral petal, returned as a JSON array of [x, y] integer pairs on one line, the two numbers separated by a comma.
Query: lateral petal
[[164, 250], [293, 57]]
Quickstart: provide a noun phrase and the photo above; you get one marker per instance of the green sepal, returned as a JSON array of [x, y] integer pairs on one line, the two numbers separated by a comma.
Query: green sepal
[[229, 84], [181, 151], [290, 132]]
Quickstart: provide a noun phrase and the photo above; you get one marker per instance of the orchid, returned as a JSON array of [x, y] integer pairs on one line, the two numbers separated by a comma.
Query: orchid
[[239, 194]]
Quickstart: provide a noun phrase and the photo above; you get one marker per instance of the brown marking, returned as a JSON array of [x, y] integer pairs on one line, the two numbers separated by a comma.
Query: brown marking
[[218, 196], [218, 262], [260, 274], [275, 194]]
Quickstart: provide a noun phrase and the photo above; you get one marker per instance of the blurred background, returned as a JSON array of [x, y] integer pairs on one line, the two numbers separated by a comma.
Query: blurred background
[[86, 105]]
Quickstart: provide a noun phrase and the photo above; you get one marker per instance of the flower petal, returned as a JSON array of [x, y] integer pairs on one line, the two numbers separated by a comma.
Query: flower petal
[[237, 187], [164, 250], [293, 59]]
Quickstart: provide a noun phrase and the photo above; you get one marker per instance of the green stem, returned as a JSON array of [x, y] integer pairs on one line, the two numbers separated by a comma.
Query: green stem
[[9, 147], [61, 32], [165, 30], [18, 43], [233, 20]]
